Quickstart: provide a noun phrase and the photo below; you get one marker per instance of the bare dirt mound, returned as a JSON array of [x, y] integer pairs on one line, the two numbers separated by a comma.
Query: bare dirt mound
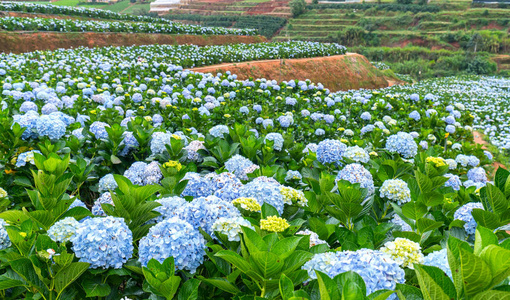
[[18, 42], [339, 72]]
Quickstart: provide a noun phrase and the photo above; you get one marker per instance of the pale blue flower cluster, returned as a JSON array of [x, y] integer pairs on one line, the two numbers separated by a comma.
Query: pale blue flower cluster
[[376, 268], [107, 183], [141, 173], [330, 151], [231, 227], [395, 190], [158, 142], [218, 131], [397, 220], [103, 242], [77, 203], [26, 157], [240, 166], [277, 140], [5, 241], [403, 144], [197, 186], [438, 259], [464, 214], [293, 175], [225, 185], [173, 237], [51, 127], [453, 181], [356, 154], [415, 115], [356, 173], [477, 175], [63, 230], [450, 129], [98, 129], [264, 191], [97, 209], [204, 211], [170, 207], [467, 160]]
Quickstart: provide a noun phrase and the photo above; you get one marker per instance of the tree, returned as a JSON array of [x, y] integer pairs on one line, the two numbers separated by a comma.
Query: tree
[[297, 7]]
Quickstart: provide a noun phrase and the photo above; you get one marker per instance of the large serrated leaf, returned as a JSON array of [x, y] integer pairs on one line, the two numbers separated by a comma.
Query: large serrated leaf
[[434, 284], [476, 274]]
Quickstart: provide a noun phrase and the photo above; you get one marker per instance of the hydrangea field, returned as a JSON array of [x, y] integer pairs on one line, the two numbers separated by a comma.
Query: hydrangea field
[[127, 176]]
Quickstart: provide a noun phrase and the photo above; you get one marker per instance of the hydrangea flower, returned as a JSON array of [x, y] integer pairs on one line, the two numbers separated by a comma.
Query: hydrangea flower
[[103, 242], [376, 268], [330, 151], [403, 251], [293, 175], [314, 237], [197, 186], [107, 183], [277, 140], [5, 241], [403, 144], [438, 259], [291, 195], [219, 130], [63, 230], [467, 160], [51, 127], [453, 181], [274, 224], [264, 192], [98, 129], [225, 185], [97, 209], [240, 166], [177, 238], [26, 157], [395, 190], [397, 220], [231, 227], [192, 149], [77, 203], [158, 142], [249, 204], [464, 214], [356, 173], [356, 154], [204, 211], [170, 207], [477, 175]]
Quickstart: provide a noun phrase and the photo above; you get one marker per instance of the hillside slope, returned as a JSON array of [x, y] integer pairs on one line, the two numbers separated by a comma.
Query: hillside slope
[[339, 72]]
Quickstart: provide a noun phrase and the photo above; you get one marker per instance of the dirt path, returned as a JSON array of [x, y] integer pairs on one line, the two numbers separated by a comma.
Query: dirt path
[[478, 138]]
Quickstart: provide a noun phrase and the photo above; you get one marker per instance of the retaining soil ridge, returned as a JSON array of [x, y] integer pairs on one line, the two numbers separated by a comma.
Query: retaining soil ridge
[[19, 42], [338, 72]]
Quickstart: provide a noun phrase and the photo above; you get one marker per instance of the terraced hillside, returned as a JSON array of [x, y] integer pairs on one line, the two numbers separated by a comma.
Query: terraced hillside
[[277, 8]]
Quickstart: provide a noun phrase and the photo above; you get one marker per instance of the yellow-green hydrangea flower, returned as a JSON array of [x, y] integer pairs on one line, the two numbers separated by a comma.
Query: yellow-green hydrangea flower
[[249, 204], [291, 195], [403, 251], [274, 224]]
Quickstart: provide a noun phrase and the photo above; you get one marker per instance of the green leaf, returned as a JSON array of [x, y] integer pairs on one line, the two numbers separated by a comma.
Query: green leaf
[[408, 292], [498, 260], [492, 295], [380, 295], [169, 287], [286, 287], [268, 210], [7, 283], [476, 274], [425, 225], [221, 283], [253, 241], [284, 248], [296, 260], [485, 218], [493, 199], [348, 278], [268, 264], [68, 275], [189, 290], [414, 210], [434, 284], [95, 288], [327, 287], [235, 259], [424, 182], [483, 238], [352, 291], [24, 268]]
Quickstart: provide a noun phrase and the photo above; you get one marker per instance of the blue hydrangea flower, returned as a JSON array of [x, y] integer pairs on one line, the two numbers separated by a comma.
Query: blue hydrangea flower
[[240, 166], [26, 157], [395, 190], [225, 185], [464, 214], [276, 138], [264, 192], [477, 175], [5, 241], [197, 186], [438, 259], [467, 160], [356, 154], [129, 142], [415, 115], [376, 268], [330, 151], [356, 173], [103, 242], [488, 154], [453, 181], [97, 209], [219, 130], [204, 211], [320, 132], [177, 238], [403, 144], [397, 220], [28, 121], [267, 123], [231, 227], [98, 129], [293, 175], [158, 142], [170, 207], [51, 127], [414, 97], [63, 230], [450, 129], [77, 203], [141, 173], [366, 116], [107, 183], [28, 106]]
